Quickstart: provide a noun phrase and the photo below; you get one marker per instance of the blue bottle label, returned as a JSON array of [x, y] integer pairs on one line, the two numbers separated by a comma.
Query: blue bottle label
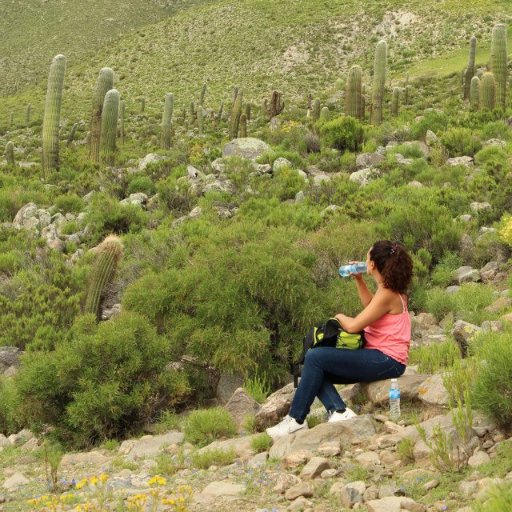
[[394, 394]]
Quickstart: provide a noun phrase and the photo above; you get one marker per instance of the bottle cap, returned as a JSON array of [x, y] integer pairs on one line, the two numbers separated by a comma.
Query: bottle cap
[[394, 380]]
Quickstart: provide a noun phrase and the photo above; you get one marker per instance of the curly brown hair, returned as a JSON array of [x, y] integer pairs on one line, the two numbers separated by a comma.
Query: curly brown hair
[[394, 264]]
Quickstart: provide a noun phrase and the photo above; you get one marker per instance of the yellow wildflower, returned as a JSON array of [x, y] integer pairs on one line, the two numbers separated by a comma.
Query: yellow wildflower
[[157, 480], [103, 478], [93, 480], [81, 483]]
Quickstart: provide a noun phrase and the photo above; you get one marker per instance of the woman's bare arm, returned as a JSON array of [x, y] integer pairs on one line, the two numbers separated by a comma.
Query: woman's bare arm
[[378, 306], [365, 295]]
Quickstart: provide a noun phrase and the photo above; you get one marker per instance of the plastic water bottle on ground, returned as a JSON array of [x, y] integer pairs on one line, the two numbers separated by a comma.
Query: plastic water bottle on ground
[[394, 400], [352, 268]]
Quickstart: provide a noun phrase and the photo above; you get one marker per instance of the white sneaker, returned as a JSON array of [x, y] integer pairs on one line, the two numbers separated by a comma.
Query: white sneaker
[[287, 425], [342, 416]]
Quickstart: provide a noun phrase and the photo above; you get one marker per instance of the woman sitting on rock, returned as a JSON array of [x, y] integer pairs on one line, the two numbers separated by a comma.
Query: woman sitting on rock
[[387, 329]]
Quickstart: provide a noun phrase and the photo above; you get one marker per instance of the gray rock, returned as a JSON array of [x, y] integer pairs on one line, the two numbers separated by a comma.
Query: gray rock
[[9, 356], [227, 385], [433, 392], [378, 391], [352, 493], [431, 138], [4, 442], [478, 459], [301, 489], [149, 159], [452, 289], [247, 147], [15, 481], [479, 207], [314, 468], [401, 160], [299, 196], [329, 210], [465, 218], [463, 332], [281, 163], [192, 172], [149, 446], [465, 161], [364, 160], [223, 488], [137, 199], [364, 176], [21, 437], [389, 504], [368, 459], [241, 405], [492, 326], [258, 461], [415, 184], [489, 271], [276, 407], [218, 165], [466, 274]]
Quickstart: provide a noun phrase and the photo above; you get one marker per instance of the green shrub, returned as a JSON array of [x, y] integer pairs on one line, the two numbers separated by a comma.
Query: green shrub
[[9, 402], [261, 443], [442, 274], [258, 388], [471, 300], [204, 426], [496, 130], [348, 161], [498, 499], [105, 382], [439, 303], [434, 121], [69, 203], [286, 184], [461, 142], [343, 133], [435, 357], [106, 215], [493, 382], [408, 150], [141, 184], [213, 457]]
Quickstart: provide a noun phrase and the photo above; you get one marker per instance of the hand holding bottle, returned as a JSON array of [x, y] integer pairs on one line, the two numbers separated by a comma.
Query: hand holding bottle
[[353, 268]]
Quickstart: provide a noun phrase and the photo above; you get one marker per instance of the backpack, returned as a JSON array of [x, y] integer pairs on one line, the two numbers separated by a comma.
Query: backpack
[[328, 334]]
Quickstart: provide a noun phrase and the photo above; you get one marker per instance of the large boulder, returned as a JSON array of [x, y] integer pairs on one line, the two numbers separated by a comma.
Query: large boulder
[[9, 356], [246, 147], [241, 405], [463, 332], [364, 176], [276, 407], [378, 391]]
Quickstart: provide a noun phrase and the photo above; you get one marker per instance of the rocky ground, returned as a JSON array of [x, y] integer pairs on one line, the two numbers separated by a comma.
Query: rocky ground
[[366, 463]]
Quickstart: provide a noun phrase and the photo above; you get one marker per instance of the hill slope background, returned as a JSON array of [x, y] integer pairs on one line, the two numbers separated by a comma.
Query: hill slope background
[[294, 46]]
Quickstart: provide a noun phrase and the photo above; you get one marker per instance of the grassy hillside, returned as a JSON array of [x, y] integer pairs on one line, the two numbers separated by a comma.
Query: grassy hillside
[[33, 31], [295, 46]]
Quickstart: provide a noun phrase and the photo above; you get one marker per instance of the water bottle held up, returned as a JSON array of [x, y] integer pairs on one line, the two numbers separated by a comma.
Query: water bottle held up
[[352, 268], [394, 400]]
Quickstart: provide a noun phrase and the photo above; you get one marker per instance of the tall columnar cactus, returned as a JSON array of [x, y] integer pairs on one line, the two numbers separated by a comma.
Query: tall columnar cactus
[[104, 83], [248, 111], [167, 121], [353, 90], [317, 107], [474, 94], [469, 73], [28, 114], [243, 126], [142, 105], [9, 154], [11, 120], [193, 112], [499, 63], [51, 118], [325, 115], [363, 102], [203, 94], [200, 119], [236, 112], [109, 120], [220, 112], [406, 91], [122, 109], [276, 105], [395, 102], [379, 81], [487, 92], [108, 255]]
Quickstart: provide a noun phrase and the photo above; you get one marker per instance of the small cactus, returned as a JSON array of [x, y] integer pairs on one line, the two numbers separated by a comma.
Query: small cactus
[[243, 126], [52, 115], [474, 94], [109, 118], [379, 81], [248, 111], [200, 119], [9, 154], [395, 102], [276, 105], [167, 121], [11, 120], [108, 255], [325, 115], [236, 113], [72, 133], [317, 107], [220, 112], [28, 114], [487, 92], [469, 73], [142, 105], [193, 112], [499, 63], [104, 83], [353, 92], [407, 89]]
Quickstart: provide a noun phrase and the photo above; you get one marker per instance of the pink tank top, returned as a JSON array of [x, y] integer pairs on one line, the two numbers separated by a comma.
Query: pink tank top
[[391, 334]]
